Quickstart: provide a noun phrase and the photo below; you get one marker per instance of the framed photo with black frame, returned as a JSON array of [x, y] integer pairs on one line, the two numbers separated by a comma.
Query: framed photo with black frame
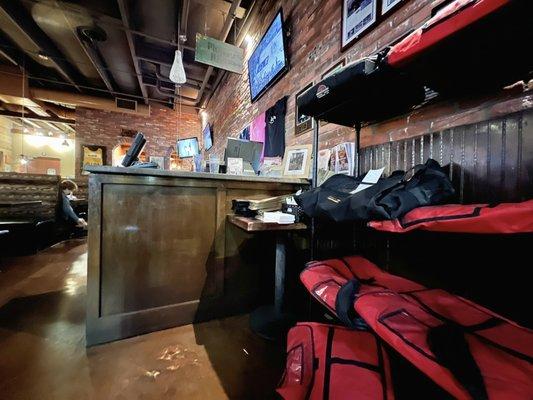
[[330, 71], [302, 123], [357, 17]]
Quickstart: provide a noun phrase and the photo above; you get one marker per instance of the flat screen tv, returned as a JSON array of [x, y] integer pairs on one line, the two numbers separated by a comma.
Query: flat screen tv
[[208, 137], [269, 60], [188, 147]]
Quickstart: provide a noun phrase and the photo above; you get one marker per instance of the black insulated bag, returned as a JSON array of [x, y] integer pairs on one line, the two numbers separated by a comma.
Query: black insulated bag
[[389, 198]]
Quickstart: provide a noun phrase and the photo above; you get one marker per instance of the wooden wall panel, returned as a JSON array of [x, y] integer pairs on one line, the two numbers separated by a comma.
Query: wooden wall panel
[[490, 161]]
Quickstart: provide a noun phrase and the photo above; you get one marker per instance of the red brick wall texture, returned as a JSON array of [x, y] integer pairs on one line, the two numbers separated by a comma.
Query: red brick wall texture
[[314, 47], [161, 129]]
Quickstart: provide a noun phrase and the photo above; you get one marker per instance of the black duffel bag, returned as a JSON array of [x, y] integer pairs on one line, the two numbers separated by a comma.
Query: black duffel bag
[[389, 198]]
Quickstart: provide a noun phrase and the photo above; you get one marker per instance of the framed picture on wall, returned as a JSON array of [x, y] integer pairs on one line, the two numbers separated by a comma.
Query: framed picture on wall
[[303, 123], [330, 71], [388, 5], [297, 161], [357, 17], [92, 155]]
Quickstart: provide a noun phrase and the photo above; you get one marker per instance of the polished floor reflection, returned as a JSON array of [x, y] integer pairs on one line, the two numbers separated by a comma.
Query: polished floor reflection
[[43, 354]]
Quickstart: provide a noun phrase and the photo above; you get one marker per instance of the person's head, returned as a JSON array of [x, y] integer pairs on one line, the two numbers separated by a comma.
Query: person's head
[[68, 187]]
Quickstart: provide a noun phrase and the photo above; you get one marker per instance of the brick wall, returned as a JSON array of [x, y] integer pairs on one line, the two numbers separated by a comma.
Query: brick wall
[[314, 47], [161, 129]]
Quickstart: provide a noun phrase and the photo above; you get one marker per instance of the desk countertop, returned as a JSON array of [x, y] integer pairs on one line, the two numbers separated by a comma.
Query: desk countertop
[[187, 174]]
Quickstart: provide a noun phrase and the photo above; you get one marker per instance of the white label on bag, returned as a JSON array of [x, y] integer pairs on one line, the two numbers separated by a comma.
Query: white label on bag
[[370, 179]]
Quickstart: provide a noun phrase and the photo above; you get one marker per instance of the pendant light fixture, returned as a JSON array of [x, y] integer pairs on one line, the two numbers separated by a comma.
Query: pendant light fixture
[[177, 71]]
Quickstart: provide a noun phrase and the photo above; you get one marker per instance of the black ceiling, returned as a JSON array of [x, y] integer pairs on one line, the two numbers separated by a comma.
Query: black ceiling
[[115, 47]]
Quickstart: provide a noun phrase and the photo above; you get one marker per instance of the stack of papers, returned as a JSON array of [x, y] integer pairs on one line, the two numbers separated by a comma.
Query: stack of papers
[[268, 204], [276, 218]]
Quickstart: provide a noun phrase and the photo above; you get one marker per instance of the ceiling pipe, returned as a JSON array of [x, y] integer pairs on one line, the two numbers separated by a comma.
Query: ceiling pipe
[[60, 112], [90, 47], [22, 18], [169, 94], [81, 100], [223, 36], [184, 19], [163, 78], [13, 114], [131, 44]]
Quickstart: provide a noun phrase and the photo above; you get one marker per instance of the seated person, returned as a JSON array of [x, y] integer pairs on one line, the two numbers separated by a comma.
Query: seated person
[[67, 189]]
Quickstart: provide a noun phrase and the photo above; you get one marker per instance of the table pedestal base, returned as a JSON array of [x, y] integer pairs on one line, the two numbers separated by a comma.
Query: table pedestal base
[[269, 324]]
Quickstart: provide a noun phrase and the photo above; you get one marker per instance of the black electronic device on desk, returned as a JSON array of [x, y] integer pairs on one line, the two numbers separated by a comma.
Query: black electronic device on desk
[[131, 159]]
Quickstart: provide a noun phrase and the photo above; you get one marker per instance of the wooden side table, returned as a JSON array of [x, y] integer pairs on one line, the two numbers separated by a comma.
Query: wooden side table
[[270, 322]]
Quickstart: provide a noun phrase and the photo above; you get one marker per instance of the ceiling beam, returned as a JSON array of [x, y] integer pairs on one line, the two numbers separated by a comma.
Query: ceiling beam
[[31, 117], [223, 6], [131, 44], [16, 12], [223, 36]]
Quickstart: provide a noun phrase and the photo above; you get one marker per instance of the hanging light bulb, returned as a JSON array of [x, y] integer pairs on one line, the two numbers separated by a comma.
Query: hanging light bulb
[[177, 72], [26, 130], [50, 133]]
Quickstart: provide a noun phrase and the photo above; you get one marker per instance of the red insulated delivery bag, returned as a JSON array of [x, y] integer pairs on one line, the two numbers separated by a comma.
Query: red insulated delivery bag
[[332, 362], [472, 218], [466, 349]]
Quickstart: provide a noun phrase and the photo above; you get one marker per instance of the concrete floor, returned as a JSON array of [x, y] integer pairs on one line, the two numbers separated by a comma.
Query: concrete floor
[[43, 353]]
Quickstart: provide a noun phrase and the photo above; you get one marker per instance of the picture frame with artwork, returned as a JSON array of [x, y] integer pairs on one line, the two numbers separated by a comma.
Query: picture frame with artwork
[[387, 5], [159, 160], [330, 71], [302, 123], [297, 161], [92, 155], [357, 17]]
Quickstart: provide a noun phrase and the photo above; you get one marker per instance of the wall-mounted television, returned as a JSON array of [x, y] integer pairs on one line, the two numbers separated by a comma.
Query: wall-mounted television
[[208, 137], [269, 60], [188, 147]]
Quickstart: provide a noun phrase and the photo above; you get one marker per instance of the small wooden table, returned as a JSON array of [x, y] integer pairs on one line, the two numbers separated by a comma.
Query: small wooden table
[[270, 322]]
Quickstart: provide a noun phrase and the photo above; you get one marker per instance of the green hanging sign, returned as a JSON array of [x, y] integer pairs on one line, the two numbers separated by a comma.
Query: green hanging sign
[[219, 54]]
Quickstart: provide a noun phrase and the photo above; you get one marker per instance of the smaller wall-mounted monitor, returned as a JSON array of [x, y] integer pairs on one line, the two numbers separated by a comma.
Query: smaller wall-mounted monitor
[[269, 60], [188, 147], [208, 137]]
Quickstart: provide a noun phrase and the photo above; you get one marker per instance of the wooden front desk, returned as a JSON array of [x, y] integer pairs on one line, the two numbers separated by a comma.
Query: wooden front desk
[[161, 253]]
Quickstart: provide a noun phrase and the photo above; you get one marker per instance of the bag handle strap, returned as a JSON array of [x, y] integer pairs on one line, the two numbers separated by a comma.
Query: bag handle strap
[[449, 345]]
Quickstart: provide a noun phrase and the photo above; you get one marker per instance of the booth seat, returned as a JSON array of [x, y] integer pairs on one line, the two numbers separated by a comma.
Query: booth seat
[[29, 206]]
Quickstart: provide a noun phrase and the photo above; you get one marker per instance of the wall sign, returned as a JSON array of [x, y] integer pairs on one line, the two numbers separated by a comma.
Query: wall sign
[[92, 155], [219, 54], [357, 17], [303, 123]]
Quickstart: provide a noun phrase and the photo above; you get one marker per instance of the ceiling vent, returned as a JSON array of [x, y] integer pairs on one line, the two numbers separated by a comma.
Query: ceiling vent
[[125, 104]]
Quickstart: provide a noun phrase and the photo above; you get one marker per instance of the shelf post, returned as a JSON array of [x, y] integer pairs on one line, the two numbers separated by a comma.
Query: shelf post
[[357, 148]]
